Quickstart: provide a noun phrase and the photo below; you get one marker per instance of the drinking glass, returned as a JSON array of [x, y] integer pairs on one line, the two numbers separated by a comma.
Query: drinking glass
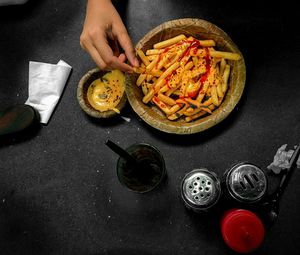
[[146, 173]]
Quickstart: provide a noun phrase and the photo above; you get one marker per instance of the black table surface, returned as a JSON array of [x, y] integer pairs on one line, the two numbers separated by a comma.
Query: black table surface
[[59, 193]]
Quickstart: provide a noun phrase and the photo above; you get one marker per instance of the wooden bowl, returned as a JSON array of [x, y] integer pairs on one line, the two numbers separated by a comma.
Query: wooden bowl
[[199, 29], [82, 89]]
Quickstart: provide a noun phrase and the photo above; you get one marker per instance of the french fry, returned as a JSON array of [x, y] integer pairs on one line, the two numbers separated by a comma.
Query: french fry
[[202, 112], [202, 92], [177, 114], [219, 90], [222, 66], [226, 55], [154, 52], [144, 88], [195, 61], [158, 85], [176, 92], [203, 107], [143, 57], [214, 95], [208, 109], [188, 66], [225, 78], [207, 43], [161, 105], [163, 61], [149, 96], [173, 60], [149, 77], [169, 42], [139, 69], [151, 57], [166, 99], [195, 116], [193, 103], [171, 91], [156, 73], [207, 102], [141, 79], [190, 111], [174, 109], [198, 53], [164, 89], [178, 55], [152, 64], [167, 73]]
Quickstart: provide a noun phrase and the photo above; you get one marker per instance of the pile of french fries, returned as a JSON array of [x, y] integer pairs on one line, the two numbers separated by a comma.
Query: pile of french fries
[[185, 77]]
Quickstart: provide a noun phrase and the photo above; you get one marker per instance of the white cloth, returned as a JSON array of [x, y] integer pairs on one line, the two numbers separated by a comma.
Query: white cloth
[[46, 84], [282, 160]]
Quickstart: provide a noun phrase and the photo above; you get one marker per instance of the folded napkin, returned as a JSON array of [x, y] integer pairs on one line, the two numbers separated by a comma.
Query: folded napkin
[[282, 159], [46, 84]]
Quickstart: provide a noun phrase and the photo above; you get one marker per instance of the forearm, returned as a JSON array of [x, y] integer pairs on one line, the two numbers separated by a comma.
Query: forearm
[[103, 13]]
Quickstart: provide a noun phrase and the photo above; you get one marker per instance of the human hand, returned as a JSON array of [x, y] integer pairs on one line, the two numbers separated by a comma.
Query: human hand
[[103, 24]]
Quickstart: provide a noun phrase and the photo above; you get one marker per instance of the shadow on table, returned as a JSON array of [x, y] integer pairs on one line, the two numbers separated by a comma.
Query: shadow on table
[[207, 224], [22, 136], [113, 121]]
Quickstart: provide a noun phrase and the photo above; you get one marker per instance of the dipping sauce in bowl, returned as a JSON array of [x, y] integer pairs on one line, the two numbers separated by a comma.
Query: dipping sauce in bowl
[[101, 94], [106, 92]]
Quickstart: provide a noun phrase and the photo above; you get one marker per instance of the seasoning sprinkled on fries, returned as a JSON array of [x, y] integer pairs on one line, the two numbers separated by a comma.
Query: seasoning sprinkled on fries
[[185, 77]]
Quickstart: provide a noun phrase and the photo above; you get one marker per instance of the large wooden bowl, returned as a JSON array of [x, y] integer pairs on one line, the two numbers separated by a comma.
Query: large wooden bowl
[[200, 29]]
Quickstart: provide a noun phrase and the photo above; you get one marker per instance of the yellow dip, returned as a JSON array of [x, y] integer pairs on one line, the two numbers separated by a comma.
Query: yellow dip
[[106, 92]]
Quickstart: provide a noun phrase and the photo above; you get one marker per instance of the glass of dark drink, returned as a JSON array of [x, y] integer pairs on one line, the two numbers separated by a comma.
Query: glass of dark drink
[[145, 172]]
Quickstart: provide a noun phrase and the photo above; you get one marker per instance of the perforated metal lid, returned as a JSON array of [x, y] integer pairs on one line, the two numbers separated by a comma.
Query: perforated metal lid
[[200, 189], [246, 182]]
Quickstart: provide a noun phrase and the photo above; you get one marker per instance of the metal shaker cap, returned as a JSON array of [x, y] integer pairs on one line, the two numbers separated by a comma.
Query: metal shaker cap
[[246, 183], [200, 189]]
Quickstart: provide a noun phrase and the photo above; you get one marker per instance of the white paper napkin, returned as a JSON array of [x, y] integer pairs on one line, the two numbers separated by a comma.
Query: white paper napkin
[[282, 159], [46, 84]]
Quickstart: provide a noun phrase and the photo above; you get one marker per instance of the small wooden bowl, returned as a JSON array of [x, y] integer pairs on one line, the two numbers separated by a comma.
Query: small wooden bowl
[[199, 29], [82, 89]]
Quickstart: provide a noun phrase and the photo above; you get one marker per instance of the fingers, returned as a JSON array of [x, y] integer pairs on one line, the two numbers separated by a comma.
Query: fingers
[[88, 47], [107, 54], [122, 57], [127, 46], [103, 56]]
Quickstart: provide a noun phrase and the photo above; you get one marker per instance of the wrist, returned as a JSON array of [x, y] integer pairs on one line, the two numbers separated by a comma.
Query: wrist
[[99, 3]]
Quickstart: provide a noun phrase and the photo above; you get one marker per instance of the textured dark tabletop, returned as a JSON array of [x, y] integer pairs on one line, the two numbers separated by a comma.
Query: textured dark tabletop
[[59, 192]]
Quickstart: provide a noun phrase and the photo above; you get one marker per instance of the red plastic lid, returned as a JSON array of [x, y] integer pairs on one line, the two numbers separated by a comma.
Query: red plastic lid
[[242, 230]]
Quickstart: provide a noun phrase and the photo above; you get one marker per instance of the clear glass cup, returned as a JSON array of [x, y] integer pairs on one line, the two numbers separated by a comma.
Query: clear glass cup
[[147, 173]]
